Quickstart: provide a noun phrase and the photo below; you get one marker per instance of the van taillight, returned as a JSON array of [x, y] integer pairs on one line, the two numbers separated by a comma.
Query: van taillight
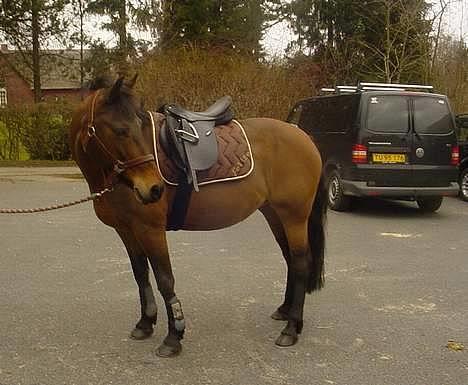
[[455, 156], [359, 153]]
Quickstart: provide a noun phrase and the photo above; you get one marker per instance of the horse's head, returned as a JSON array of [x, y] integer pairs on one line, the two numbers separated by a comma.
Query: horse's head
[[116, 133]]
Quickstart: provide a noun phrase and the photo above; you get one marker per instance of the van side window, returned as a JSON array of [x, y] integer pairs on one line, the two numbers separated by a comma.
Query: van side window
[[295, 114], [329, 114], [432, 116], [387, 113]]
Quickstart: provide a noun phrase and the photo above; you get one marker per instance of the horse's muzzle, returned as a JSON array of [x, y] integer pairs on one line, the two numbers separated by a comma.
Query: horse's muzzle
[[152, 195]]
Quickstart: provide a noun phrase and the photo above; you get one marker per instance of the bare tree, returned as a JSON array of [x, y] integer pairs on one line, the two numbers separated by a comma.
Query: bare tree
[[401, 46]]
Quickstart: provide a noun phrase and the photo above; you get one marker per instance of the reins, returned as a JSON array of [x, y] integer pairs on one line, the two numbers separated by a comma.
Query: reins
[[91, 197]]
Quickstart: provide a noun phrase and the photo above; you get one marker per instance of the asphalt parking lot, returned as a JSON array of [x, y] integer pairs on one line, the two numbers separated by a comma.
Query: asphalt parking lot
[[394, 310]]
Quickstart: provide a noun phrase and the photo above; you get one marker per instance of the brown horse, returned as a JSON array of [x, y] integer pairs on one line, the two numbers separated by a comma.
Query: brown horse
[[112, 143]]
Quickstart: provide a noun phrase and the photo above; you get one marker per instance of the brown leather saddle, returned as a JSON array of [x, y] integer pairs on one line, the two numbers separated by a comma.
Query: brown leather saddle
[[188, 137]]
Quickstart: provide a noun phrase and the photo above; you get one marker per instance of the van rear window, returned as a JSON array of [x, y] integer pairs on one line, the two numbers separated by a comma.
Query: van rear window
[[432, 116], [387, 113]]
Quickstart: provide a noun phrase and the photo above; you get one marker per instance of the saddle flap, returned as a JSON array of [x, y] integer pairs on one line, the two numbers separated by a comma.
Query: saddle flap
[[202, 154]]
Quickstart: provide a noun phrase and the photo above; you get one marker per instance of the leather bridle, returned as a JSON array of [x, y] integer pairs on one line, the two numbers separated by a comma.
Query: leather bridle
[[118, 166]]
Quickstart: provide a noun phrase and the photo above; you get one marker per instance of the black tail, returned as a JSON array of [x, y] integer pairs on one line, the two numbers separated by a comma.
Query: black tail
[[316, 229]]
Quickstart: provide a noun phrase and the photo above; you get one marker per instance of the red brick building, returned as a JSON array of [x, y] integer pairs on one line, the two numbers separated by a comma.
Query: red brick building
[[60, 77]]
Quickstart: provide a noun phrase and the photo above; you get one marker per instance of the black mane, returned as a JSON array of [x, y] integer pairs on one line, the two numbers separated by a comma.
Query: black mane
[[99, 82]]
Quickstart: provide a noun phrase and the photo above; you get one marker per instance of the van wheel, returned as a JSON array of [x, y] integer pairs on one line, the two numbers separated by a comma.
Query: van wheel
[[336, 199], [429, 204], [464, 185]]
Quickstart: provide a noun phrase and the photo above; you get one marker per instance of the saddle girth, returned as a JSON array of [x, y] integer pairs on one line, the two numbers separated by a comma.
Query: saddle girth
[[188, 138]]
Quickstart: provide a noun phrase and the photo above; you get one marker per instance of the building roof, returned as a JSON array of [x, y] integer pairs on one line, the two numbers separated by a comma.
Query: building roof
[[60, 69]]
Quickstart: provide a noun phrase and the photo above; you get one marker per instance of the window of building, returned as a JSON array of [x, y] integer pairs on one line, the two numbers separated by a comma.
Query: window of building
[[3, 97]]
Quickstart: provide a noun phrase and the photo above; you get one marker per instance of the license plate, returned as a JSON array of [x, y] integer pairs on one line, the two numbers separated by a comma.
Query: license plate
[[388, 158]]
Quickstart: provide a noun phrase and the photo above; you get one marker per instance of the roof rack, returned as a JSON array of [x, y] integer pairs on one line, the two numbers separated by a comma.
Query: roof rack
[[365, 86]]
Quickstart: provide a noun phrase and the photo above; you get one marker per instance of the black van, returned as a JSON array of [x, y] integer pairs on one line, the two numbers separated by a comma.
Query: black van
[[462, 133], [383, 140]]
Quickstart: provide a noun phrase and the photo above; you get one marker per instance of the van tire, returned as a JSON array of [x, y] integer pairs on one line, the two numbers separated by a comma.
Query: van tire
[[464, 185], [429, 204], [336, 199]]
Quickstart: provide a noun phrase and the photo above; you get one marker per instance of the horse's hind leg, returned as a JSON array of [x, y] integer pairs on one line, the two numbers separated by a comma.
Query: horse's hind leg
[[295, 228], [149, 311], [281, 314]]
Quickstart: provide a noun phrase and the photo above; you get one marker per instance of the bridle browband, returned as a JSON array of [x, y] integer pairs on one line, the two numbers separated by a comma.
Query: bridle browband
[[118, 166]]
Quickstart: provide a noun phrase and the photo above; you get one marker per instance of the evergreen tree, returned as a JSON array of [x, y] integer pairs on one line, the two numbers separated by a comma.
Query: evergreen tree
[[386, 40], [116, 11], [120, 16], [230, 24]]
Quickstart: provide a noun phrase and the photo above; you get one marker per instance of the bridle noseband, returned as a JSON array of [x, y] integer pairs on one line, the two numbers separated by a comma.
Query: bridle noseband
[[118, 166]]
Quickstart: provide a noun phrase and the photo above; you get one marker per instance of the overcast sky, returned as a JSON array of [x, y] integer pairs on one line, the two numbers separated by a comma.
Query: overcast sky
[[456, 20]]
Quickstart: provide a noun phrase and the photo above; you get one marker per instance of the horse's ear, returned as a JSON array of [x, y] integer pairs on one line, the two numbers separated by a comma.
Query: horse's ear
[[114, 93], [132, 81]]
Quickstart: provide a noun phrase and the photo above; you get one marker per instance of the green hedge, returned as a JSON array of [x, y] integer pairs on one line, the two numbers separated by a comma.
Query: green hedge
[[35, 132]]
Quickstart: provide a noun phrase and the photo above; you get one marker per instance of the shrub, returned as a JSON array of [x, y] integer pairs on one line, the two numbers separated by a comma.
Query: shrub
[[42, 129], [194, 78], [10, 135]]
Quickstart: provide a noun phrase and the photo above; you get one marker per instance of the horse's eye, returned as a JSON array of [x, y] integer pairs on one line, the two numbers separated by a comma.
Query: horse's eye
[[120, 131]]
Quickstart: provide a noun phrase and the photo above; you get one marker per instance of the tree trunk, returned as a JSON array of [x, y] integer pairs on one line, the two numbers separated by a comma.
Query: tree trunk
[[82, 71], [388, 44], [36, 65], [166, 30], [123, 39]]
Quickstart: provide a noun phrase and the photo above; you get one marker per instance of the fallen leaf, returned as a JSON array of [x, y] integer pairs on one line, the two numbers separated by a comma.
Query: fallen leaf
[[457, 346]]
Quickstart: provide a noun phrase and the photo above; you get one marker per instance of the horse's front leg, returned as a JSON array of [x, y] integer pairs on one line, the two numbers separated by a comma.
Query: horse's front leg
[[149, 311], [155, 245]]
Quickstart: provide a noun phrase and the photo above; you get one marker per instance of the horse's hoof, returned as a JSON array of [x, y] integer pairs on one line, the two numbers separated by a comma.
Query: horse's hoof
[[279, 316], [166, 351], [285, 340], [141, 334]]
